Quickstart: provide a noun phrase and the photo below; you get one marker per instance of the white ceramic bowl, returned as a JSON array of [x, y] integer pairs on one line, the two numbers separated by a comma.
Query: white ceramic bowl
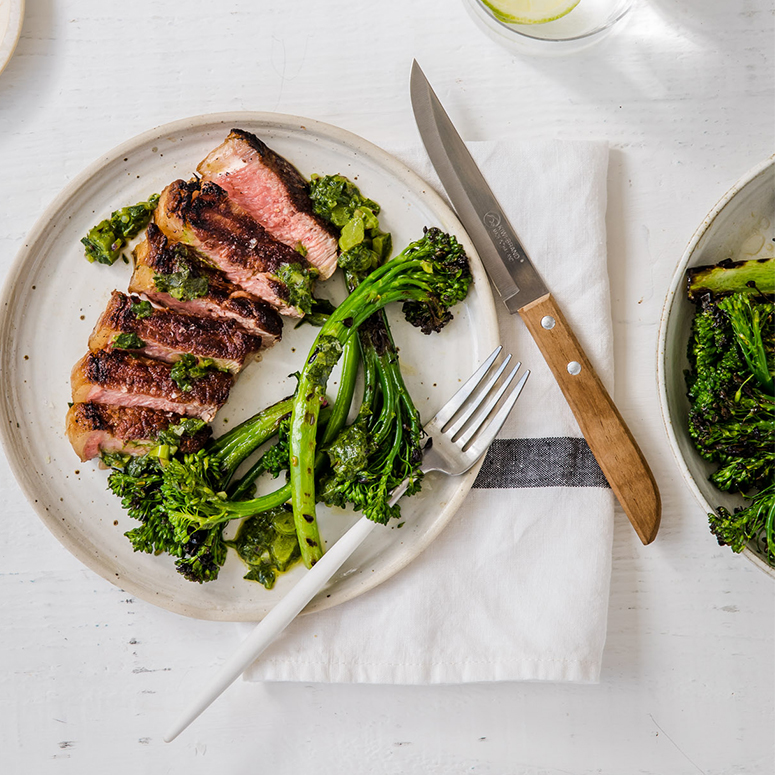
[[740, 226]]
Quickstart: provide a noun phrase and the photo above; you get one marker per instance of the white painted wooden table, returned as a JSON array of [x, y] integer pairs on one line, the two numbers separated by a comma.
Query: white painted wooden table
[[89, 677]]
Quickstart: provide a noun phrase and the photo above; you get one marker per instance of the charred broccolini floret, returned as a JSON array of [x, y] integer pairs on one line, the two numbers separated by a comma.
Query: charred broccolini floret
[[169, 492], [138, 481], [194, 489], [753, 524]]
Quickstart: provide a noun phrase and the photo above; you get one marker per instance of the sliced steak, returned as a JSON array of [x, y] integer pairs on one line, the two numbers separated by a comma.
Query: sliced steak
[[95, 428], [166, 335], [189, 285], [201, 215], [121, 378], [273, 191]]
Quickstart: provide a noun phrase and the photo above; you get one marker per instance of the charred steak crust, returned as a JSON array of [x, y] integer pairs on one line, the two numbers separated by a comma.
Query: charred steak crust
[[297, 186], [223, 339], [132, 423], [129, 373], [222, 225], [90, 417], [166, 258], [248, 307], [163, 256]]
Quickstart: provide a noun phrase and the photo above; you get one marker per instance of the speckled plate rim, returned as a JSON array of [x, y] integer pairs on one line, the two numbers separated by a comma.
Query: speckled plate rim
[[12, 32], [676, 287], [401, 173]]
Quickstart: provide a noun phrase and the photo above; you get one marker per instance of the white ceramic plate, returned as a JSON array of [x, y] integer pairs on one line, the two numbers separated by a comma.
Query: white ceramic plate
[[11, 17], [53, 297], [739, 227]]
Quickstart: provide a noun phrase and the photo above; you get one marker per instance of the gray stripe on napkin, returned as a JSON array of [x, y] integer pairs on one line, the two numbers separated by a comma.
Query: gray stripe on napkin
[[550, 462]]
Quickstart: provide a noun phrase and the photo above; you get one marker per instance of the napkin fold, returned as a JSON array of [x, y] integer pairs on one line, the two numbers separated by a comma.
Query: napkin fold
[[516, 587]]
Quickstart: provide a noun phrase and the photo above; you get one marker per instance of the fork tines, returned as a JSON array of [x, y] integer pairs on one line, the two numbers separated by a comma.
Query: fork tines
[[478, 410]]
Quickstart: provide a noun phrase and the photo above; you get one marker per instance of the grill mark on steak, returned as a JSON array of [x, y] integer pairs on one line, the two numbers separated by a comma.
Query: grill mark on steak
[[201, 215], [169, 334], [155, 255], [273, 191], [121, 378], [94, 428]]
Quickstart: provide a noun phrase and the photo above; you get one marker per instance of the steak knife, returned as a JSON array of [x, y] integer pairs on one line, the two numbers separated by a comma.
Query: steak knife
[[522, 290]]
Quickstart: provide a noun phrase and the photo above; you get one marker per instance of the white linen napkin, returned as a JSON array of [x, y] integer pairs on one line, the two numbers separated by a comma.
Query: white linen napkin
[[516, 587]]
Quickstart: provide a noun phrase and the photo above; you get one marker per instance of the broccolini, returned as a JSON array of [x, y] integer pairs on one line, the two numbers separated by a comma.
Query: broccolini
[[430, 276], [167, 492], [731, 392]]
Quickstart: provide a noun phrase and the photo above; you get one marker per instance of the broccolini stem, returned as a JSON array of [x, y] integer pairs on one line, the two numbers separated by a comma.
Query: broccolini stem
[[302, 456], [389, 401], [266, 502], [370, 377], [235, 446], [344, 396], [246, 484], [303, 436], [310, 394]]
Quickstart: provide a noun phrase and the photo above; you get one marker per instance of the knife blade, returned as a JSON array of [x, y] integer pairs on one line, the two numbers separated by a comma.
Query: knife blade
[[523, 291]]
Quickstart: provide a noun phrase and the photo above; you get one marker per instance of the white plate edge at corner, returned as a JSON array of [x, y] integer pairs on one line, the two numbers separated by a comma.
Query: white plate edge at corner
[[402, 173], [675, 284], [12, 32]]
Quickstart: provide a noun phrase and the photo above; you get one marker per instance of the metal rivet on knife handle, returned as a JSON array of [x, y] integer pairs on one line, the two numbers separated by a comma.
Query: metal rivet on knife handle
[[547, 322], [574, 367]]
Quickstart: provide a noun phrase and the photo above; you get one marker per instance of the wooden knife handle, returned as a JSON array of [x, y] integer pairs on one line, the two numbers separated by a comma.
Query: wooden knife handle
[[608, 437]]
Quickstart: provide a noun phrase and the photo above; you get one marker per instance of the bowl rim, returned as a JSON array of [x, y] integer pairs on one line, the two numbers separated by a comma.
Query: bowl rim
[[675, 284]]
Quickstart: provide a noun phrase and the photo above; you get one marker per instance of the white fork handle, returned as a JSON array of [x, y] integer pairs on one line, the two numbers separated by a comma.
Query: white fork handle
[[276, 621]]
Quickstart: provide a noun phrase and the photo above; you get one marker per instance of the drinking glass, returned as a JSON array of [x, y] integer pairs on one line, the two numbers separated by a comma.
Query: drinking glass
[[589, 22]]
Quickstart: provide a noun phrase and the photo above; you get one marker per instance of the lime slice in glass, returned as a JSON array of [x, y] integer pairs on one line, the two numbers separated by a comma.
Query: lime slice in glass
[[530, 11]]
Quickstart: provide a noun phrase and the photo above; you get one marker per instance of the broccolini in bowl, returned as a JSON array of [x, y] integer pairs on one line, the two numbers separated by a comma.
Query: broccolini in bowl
[[716, 366]]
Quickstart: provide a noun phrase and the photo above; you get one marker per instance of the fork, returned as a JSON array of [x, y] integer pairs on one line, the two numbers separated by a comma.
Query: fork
[[457, 437]]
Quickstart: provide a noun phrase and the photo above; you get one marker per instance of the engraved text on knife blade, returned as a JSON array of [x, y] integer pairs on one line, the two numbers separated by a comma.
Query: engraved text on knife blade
[[502, 239]]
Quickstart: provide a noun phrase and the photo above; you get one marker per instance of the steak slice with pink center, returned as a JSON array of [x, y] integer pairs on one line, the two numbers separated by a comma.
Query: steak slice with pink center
[[97, 428], [170, 274], [201, 215], [120, 378], [167, 335], [274, 192]]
